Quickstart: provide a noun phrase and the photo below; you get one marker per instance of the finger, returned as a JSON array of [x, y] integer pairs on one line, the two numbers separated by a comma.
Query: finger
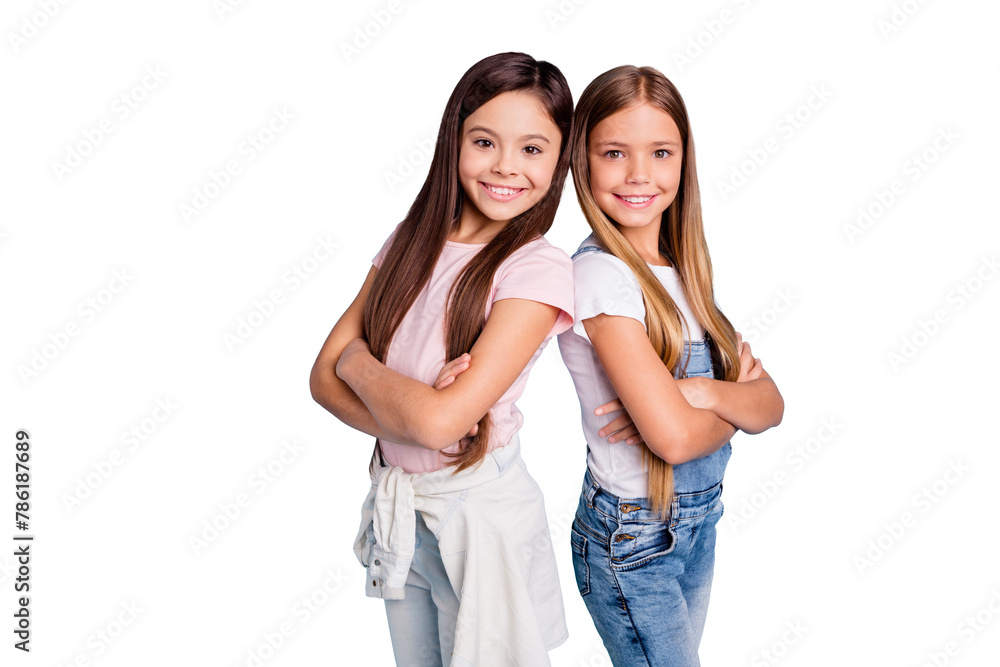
[[635, 440], [461, 359], [616, 424], [473, 431], [609, 407], [441, 384], [624, 434], [454, 367]]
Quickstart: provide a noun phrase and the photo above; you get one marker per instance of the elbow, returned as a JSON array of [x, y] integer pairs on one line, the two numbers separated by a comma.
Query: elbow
[[434, 431], [776, 412], [770, 416], [315, 385], [318, 387], [675, 447], [779, 411]]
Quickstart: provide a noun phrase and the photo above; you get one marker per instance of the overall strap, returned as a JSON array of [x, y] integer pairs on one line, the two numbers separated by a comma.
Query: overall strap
[[588, 248]]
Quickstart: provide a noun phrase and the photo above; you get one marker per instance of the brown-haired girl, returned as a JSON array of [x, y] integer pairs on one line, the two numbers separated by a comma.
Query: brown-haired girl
[[651, 345], [454, 528]]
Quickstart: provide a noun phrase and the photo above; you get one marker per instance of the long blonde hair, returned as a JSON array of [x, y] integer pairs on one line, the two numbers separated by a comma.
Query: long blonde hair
[[682, 239]]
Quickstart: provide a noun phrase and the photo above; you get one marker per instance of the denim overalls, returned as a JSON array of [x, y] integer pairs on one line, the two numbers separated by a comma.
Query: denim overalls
[[646, 581]]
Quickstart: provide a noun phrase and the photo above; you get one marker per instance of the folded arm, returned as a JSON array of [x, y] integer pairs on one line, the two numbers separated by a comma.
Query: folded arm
[[411, 412], [751, 404], [671, 427], [330, 391], [752, 407]]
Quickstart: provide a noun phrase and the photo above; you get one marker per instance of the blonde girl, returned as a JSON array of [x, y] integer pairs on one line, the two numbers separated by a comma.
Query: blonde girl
[[650, 347]]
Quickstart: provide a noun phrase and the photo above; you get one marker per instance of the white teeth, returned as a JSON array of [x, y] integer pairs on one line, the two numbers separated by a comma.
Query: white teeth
[[501, 191], [637, 200]]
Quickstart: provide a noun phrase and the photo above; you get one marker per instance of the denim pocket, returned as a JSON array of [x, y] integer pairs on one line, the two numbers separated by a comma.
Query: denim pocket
[[580, 566], [635, 544]]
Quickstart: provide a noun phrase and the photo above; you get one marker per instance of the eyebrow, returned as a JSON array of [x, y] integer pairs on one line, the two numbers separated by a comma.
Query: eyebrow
[[527, 137], [617, 144]]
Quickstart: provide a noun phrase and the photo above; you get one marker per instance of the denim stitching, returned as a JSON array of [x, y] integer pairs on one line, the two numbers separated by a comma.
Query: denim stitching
[[624, 605]]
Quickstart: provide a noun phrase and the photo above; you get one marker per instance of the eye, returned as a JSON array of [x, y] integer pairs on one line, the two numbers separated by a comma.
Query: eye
[[532, 150], [483, 143], [661, 153], [614, 154]]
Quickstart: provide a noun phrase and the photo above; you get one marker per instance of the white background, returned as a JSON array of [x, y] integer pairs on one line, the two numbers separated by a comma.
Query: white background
[[843, 547]]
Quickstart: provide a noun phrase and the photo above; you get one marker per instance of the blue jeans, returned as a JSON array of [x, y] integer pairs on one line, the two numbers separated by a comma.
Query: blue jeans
[[422, 626], [645, 581]]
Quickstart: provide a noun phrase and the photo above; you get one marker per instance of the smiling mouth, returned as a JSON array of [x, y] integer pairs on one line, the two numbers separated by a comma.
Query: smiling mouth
[[636, 201], [501, 192]]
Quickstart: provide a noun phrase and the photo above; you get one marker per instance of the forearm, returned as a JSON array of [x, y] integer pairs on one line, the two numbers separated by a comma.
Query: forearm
[[404, 409], [337, 397], [326, 388], [704, 433], [752, 406]]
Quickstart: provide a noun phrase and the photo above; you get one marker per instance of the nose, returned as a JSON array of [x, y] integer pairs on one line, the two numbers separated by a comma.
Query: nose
[[637, 171], [505, 164]]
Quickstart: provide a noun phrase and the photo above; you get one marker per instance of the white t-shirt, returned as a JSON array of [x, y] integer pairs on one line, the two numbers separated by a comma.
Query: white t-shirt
[[604, 284]]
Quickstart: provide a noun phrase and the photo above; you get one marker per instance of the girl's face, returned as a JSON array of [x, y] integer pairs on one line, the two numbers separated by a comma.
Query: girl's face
[[509, 150], [634, 156]]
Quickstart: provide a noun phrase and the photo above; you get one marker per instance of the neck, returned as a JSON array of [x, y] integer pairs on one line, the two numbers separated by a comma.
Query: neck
[[474, 227], [646, 242]]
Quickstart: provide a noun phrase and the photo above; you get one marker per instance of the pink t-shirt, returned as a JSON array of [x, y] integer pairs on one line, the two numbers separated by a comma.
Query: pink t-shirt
[[537, 271]]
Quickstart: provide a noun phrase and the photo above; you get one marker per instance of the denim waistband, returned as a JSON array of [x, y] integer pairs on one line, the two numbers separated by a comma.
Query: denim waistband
[[683, 505]]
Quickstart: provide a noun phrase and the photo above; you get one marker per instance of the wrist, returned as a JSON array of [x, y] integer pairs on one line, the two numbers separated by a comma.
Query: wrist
[[706, 396], [348, 362]]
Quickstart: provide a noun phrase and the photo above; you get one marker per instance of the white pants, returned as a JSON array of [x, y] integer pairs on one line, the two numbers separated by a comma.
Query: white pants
[[422, 625]]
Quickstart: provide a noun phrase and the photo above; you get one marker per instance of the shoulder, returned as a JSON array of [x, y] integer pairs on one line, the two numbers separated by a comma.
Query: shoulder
[[536, 257], [380, 256], [602, 269], [540, 250], [604, 284], [538, 271]]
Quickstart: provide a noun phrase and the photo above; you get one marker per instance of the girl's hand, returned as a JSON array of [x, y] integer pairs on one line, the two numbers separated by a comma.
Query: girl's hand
[[750, 368], [353, 348], [447, 375], [696, 391], [621, 427], [452, 370]]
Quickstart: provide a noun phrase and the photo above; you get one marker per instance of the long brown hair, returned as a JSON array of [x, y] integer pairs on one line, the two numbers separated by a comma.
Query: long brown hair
[[682, 238], [410, 258]]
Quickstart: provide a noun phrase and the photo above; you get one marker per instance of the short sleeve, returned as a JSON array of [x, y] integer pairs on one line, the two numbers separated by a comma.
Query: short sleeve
[[605, 284], [377, 259], [539, 272]]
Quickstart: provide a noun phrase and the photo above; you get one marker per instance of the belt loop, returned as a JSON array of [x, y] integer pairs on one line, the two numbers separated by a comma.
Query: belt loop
[[591, 492]]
